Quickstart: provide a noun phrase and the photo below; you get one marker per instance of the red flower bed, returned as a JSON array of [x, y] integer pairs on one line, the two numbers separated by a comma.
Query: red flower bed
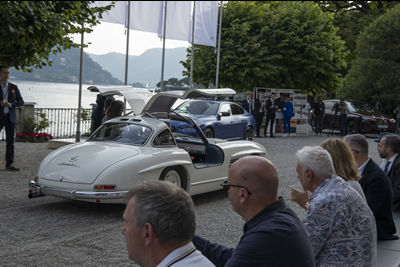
[[33, 137]]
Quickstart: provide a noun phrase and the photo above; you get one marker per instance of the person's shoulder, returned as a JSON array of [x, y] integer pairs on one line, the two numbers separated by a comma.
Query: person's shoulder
[[12, 85]]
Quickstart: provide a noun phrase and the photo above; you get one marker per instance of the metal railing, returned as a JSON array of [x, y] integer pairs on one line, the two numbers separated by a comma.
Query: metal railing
[[63, 122]]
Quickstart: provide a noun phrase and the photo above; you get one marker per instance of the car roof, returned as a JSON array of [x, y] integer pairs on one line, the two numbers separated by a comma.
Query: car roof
[[142, 100]]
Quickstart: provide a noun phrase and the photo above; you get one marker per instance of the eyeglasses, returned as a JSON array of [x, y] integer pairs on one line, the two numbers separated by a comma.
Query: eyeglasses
[[227, 186]]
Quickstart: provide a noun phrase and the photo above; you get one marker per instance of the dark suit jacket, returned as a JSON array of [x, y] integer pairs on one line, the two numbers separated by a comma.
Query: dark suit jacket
[[257, 107], [16, 100], [378, 192], [394, 177], [271, 112], [246, 105]]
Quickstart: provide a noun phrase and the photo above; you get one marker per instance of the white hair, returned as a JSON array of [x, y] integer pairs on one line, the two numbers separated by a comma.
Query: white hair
[[317, 159]]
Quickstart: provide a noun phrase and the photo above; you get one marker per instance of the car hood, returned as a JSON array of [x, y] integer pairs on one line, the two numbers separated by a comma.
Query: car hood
[[372, 115], [82, 163]]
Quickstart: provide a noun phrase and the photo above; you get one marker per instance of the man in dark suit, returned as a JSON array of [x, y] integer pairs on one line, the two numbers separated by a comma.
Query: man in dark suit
[[388, 148], [272, 107], [258, 111], [10, 99], [376, 187], [248, 102]]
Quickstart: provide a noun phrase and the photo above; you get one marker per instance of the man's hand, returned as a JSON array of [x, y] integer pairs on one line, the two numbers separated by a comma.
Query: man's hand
[[5, 103]]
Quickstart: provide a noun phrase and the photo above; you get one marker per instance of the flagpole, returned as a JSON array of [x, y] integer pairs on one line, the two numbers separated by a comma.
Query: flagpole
[[78, 126], [191, 54], [163, 50], [127, 44], [219, 46], [127, 51]]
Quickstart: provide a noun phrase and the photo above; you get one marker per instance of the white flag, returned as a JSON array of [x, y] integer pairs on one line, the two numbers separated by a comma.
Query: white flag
[[117, 14], [205, 23], [146, 16], [178, 20]]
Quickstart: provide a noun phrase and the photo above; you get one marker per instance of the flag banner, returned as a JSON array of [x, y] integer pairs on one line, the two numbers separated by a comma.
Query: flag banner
[[178, 20], [146, 16], [205, 23], [117, 14]]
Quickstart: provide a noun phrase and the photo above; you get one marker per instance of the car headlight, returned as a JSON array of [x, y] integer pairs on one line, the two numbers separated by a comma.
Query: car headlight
[[392, 121], [364, 118], [187, 128]]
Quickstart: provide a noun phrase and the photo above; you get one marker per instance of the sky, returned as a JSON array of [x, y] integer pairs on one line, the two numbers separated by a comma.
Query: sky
[[110, 37]]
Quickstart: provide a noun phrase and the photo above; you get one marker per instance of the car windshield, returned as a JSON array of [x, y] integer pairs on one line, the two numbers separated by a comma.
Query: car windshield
[[198, 108], [357, 106], [122, 133]]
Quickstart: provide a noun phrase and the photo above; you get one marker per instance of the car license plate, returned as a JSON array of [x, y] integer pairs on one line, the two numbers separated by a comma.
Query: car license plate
[[383, 126]]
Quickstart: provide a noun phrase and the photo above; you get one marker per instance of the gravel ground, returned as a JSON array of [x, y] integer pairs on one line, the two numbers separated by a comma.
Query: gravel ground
[[48, 231]]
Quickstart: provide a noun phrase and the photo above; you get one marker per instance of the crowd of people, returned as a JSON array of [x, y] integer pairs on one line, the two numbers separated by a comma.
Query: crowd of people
[[348, 201], [267, 107]]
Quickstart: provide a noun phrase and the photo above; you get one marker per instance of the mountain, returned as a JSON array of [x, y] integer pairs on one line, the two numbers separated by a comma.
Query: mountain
[[145, 68], [108, 68], [65, 69]]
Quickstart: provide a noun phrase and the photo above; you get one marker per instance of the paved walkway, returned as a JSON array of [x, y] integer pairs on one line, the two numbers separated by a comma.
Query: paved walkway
[[389, 251]]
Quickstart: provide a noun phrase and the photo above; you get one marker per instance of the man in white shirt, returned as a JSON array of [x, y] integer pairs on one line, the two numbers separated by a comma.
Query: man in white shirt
[[388, 149], [159, 226]]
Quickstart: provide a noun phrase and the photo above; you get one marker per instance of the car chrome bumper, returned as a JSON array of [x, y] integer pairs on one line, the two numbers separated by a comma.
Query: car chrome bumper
[[37, 191]]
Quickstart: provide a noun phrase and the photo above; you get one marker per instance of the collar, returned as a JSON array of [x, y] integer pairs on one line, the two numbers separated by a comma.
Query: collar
[[277, 205], [393, 158], [324, 182], [4, 86], [177, 255], [362, 167]]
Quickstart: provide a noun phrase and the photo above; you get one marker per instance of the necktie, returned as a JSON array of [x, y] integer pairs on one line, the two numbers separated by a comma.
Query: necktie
[[387, 167]]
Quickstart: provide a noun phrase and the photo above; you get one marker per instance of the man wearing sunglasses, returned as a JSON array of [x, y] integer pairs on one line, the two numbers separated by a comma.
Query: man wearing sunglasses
[[272, 231]]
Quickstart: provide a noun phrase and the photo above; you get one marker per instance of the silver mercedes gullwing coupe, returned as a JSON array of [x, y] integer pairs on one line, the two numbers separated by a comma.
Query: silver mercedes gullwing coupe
[[138, 147]]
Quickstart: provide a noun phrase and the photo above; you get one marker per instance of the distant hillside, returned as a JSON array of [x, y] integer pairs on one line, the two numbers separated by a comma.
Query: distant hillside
[[109, 68], [65, 69], [145, 68]]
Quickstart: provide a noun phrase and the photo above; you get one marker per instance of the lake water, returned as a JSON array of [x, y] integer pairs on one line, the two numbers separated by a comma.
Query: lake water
[[56, 95]]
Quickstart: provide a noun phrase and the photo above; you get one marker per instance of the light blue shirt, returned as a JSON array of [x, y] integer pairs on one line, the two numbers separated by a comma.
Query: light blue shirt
[[4, 89], [340, 225]]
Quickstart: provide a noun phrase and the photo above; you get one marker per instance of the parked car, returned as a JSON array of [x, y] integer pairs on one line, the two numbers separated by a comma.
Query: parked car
[[217, 119], [362, 118], [128, 150]]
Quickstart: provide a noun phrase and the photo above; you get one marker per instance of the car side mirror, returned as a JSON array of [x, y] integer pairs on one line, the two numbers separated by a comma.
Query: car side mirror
[[224, 114]]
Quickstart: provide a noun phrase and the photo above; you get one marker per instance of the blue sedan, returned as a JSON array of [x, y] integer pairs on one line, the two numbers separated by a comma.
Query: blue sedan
[[217, 119]]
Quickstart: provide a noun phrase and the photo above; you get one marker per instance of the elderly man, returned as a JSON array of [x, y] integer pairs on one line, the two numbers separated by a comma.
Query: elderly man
[[376, 186], [159, 225], [273, 234], [389, 148], [339, 223]]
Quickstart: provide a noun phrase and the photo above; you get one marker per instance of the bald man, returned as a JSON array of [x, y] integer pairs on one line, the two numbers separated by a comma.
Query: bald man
[[273, 235]]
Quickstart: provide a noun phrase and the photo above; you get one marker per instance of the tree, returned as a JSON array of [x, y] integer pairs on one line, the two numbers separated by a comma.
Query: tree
[[275, 45], [374, 76], [351, 17], [31, 30]]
